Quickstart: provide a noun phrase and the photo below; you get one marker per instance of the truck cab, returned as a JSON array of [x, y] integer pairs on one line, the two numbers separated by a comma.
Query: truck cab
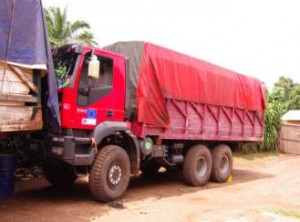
[[92, 116], [88, 100]]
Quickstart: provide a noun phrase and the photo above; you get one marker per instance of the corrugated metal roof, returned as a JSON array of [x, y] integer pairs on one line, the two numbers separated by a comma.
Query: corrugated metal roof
[[291, 115]]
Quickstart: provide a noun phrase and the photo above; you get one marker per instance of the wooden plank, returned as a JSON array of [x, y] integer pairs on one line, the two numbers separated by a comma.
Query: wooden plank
[[24, 78], [22, 124], [18, 98], [28, 72], [291, 132], [15, 113], [291, 147], [11, 83]]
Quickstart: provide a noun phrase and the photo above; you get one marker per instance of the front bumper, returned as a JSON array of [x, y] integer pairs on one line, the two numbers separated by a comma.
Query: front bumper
[[77, 151]]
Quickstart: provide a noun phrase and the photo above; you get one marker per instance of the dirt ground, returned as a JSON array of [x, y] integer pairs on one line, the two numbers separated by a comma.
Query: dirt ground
[[259, 182]]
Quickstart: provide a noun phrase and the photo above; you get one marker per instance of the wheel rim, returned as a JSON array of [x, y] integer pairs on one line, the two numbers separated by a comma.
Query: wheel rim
[[201, 167], [224, 164], [115, 175]]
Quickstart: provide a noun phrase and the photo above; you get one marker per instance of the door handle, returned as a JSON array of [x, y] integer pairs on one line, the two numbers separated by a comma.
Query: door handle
[[109, 113]]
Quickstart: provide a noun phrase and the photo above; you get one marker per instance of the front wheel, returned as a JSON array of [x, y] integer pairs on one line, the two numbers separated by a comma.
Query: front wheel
[[197, 165], [110, 174]]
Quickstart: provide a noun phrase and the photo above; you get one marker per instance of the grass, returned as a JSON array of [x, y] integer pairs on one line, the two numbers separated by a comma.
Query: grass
[[284, 212], [241, 159], [257, 155]]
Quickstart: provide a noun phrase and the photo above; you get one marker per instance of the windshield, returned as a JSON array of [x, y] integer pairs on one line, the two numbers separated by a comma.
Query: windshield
[[64, 65]]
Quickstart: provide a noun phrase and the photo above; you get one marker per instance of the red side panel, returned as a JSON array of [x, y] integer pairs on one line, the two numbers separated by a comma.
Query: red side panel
[[196, 121], [168, 74]]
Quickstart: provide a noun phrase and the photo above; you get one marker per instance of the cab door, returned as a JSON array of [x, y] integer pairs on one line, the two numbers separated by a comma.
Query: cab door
[[101, 98]]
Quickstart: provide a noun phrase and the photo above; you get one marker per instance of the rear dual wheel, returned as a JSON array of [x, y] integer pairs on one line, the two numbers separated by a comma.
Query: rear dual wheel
[[222, 163], [200, 164], [197, 165]]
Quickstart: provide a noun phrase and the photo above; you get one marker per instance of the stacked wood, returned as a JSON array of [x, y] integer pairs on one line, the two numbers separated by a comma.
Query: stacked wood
[[20, 108]]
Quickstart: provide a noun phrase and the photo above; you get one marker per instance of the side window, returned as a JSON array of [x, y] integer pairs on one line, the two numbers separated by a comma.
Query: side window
[[92, 89], [84, 79], [105, 75]]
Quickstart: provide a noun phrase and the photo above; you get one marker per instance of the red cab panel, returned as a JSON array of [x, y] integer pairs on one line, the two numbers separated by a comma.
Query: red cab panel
[[91, 101]]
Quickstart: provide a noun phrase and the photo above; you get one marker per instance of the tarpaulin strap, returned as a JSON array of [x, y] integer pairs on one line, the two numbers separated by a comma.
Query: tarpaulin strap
[[8, 40]]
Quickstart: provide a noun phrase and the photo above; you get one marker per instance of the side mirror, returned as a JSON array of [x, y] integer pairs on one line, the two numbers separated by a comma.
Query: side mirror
[[94, 67]]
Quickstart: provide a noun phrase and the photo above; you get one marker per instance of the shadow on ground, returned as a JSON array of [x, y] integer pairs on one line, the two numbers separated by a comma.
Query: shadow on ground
[[162, 185], [172, 184], [77, 203]]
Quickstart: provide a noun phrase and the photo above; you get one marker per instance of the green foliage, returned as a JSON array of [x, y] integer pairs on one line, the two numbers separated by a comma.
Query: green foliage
[[250, 147], [284, 212], [286, 84], [286, 92], [61, 31], [294, 101], [86, 38], [272, 124], [60, 73]]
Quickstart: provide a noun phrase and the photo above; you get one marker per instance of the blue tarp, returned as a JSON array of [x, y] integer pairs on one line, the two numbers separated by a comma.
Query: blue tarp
[[24, 40]]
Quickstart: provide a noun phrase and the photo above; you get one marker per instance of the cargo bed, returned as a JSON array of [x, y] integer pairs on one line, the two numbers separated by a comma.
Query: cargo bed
[[196, 121], [20, 107]]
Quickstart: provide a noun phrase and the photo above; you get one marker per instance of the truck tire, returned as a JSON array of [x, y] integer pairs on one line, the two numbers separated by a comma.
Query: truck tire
[[59, 173], [222, 163], [110, 173], [149, 168], [197, 165]]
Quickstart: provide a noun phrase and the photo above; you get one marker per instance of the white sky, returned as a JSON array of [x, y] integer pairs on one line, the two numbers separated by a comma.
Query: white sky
[[259, 38]]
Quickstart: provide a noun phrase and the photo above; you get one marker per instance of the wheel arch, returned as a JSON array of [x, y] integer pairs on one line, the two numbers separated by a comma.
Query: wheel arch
[[131, 144]]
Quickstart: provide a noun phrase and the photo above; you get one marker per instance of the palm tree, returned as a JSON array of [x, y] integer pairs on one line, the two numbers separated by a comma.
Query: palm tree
[[86, 38], [61, 31]]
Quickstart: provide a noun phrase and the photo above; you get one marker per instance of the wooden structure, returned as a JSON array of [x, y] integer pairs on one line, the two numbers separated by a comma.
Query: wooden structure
[[290, 132], [20, 107]]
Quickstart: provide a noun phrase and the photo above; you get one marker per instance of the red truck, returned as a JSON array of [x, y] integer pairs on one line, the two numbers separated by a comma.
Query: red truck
[[136, 106]]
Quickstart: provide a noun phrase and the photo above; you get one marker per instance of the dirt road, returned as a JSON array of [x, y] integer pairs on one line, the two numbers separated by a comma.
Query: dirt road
[[260, 184]]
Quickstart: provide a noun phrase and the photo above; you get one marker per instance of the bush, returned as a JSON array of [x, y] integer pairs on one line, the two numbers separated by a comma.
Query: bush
[[274, 113]]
